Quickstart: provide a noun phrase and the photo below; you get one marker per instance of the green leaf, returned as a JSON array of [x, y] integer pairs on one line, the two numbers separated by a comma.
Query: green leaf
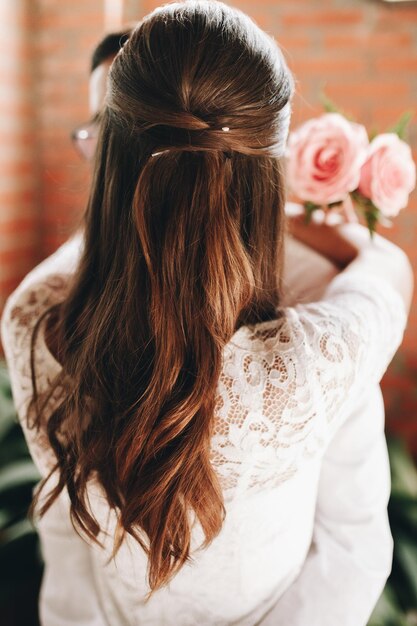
[[373, 133], [328, 105], [13, 447], [371, 218], [400, 127], [387, 611], [16, 531], [18, 474], [6, 517], [403, 470], [405, 553], [309, 208], [331, 107], [7, 422], [19, 557], [8, 416], [370, 212], [5, 379], [402, 511]]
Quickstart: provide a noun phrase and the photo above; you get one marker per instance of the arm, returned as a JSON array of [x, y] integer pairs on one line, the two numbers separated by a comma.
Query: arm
[[350, 248], [351, 552], [42, 286], [306, 273], [68, 596], [364, 312]]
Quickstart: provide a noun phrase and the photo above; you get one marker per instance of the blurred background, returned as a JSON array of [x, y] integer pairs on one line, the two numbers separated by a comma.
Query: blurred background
[[361, 53]]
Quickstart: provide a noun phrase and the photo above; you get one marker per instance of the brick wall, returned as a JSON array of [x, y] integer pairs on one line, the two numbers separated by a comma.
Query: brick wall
[[65, 34], [364, 55], [18, 173], [362, 52]]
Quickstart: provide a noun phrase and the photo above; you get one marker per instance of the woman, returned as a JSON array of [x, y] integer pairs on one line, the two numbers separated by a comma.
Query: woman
[[180, 415]]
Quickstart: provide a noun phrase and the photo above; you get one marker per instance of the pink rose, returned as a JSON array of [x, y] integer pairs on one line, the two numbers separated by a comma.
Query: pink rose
[[389, 174], [325, 156]]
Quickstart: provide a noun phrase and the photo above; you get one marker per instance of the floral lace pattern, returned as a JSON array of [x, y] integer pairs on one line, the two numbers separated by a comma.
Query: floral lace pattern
[[283, 382], [21, 313]]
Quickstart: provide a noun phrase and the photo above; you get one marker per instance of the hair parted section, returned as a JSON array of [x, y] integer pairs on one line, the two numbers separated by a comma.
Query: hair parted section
[[181, 249]]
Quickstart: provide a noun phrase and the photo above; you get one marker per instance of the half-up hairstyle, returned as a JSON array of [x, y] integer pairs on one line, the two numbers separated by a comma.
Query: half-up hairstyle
[[183, 245]]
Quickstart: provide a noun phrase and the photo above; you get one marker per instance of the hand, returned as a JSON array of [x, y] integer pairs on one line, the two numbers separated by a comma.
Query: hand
[[324, 238]]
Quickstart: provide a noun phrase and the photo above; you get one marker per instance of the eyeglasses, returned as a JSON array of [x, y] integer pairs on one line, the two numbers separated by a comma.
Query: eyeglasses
[[84, 138]]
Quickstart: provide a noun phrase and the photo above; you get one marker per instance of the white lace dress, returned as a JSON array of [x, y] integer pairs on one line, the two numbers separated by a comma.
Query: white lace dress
[[300, 451]]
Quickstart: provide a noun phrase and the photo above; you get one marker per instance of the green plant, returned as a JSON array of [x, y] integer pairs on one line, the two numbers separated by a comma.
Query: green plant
[[20, 558], [397, 605]]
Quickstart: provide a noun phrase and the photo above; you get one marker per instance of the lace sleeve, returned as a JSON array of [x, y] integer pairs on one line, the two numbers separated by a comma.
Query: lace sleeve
[[287, 385], [23, 308], [353, 332], [350, 556]]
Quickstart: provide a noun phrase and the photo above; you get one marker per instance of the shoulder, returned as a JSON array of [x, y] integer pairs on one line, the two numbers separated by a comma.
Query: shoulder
[[44, 285], [24, 308], [299, 332], [325, 350], [26, 304], [356, 302]]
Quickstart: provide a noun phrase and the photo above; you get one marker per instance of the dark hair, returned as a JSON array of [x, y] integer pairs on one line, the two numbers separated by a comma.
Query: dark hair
[[108, 47], [181, 249]]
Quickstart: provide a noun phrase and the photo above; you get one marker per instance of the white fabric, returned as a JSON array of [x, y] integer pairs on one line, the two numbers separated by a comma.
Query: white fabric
[[300, 452]]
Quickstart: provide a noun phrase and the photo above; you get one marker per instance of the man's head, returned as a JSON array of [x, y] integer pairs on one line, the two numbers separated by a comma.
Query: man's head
[[84, 136], [101, 59]]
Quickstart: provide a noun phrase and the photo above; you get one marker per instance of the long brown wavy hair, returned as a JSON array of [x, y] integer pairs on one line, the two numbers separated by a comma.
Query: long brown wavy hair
[[183, 244]]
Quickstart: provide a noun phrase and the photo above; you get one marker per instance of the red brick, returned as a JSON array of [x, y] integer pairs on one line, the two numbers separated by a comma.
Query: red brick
[[147, 6], [370, 41], [23, 225], [23, 136], [397, 15], [373, 90], [12, 105], [10, 167], [291, 43], [396, 64], [17, 197], [73, 21], [20, 255], [9, 284], [338, 17], [386, 116], [20, 77], [326, 65]]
